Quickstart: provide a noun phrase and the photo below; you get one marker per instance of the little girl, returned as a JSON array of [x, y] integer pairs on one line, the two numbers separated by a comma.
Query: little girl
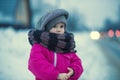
[[52, 55]]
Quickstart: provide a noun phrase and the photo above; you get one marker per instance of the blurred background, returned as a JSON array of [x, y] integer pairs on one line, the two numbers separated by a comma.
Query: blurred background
[[95, 24]]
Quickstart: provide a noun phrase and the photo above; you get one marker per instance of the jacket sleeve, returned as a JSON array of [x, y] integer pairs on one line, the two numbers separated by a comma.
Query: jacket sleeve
[[76, 65], [39, 65]]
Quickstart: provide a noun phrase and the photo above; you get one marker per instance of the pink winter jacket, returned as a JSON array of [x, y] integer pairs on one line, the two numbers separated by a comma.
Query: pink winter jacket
[[41, 63]]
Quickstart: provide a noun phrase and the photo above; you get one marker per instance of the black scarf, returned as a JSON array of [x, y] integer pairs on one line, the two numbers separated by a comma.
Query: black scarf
[[59, 43]]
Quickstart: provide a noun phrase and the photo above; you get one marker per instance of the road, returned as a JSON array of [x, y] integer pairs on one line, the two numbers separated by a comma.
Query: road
[[101, 58]]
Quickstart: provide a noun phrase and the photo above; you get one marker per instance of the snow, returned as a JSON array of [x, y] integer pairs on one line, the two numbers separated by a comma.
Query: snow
[[96, 65], [15, 49], [14, 53]]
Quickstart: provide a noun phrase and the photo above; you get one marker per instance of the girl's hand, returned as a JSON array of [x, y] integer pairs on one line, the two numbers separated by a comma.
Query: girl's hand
[[63, 76], [66, 76], [71, 72]]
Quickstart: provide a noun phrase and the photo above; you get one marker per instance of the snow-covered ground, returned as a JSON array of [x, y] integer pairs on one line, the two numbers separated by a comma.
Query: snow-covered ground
[[97, 66], [14, 54]]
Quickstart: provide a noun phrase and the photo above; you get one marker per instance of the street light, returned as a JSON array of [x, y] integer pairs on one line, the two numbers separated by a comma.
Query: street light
[[95, 35]]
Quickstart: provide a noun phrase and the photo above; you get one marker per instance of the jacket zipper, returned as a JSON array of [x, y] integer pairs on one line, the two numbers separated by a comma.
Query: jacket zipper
[[55, 59]]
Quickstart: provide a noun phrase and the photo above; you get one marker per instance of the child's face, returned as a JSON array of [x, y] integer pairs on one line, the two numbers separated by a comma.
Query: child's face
[[58, 28]]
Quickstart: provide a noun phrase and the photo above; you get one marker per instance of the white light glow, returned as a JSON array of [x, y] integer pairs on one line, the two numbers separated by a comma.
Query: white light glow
[[95, 35]]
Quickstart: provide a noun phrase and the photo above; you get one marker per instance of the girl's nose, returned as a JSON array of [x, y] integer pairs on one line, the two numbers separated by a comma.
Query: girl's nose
[[58, 29]]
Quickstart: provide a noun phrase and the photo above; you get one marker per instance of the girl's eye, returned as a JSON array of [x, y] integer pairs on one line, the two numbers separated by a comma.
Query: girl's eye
[[61, 26], [54, 26]]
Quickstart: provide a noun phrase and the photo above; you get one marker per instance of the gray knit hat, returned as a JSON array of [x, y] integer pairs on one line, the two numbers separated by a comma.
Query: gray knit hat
[[51, 19]]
